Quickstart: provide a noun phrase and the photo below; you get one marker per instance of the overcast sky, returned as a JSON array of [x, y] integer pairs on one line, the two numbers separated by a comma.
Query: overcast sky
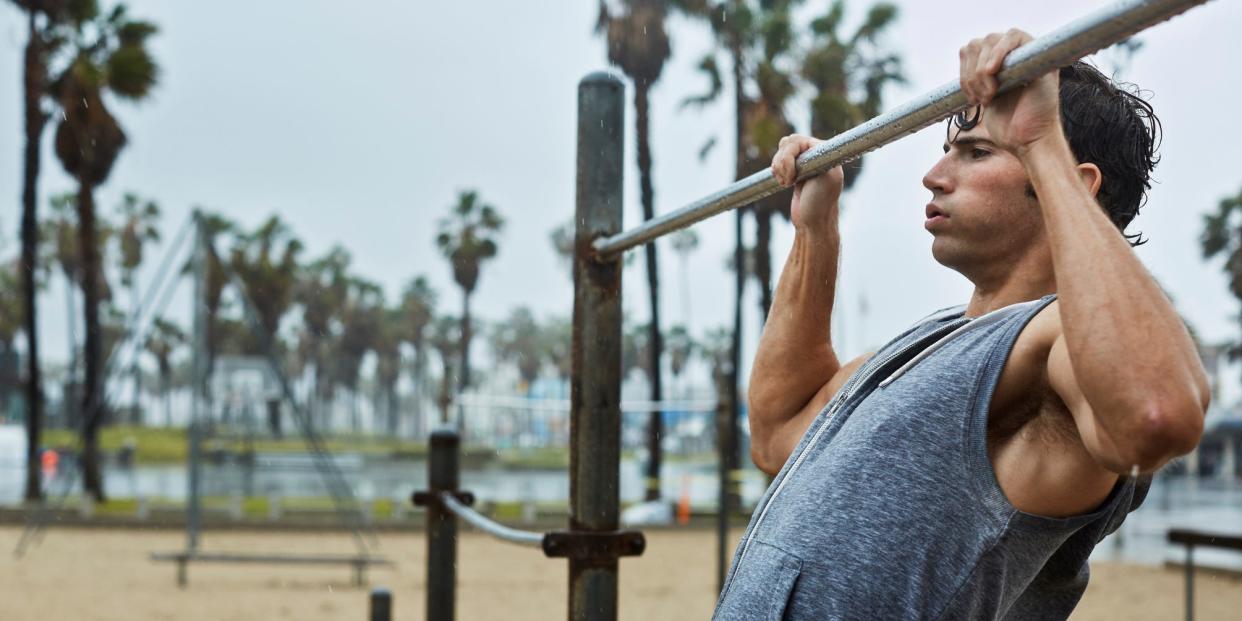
[[359, 122]]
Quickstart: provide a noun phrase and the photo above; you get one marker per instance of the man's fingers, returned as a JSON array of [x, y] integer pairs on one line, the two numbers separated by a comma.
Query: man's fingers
[[981, 82], [967, 56], [785, 162]]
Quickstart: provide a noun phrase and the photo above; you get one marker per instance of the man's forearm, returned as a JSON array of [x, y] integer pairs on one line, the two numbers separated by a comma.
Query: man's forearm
[[1131, 354], [795, 356]]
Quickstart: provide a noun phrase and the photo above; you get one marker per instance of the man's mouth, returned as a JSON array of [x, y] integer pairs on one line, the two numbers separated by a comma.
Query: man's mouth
[[935, 215]]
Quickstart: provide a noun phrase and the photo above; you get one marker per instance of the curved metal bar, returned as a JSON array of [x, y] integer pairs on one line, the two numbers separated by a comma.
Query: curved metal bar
[[481, 522], [1079, 38]]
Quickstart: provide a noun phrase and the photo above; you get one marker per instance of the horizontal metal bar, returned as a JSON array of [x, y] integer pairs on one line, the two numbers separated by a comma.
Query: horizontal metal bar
[[1229, 541], [1089, 34], [481, 522]]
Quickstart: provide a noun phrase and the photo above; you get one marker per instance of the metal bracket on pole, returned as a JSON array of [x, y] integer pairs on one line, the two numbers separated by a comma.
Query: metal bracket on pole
[[591, 546], [425, 498]]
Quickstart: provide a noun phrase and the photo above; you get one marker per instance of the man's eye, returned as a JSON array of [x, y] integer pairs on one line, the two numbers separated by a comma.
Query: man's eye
[[977, 154]]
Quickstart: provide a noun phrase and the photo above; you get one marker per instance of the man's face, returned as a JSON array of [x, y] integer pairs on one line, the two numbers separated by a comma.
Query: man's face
[[982, 211]]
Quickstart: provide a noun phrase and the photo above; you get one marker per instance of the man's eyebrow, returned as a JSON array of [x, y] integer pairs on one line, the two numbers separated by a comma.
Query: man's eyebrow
[[969, 141]]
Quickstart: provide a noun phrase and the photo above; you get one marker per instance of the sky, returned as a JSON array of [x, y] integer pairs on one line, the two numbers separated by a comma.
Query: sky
[[359, 123]]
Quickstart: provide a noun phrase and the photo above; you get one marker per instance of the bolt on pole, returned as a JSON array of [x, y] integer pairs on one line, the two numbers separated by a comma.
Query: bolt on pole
[[595, 390]]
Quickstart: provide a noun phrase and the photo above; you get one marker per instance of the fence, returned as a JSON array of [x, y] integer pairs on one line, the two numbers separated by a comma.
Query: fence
[[593, 543]]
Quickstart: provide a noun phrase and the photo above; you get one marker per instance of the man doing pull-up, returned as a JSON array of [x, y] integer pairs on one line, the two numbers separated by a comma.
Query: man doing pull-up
[[966, 469]]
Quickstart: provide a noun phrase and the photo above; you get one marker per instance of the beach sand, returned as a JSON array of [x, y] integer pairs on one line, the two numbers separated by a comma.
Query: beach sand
[[97, 574]]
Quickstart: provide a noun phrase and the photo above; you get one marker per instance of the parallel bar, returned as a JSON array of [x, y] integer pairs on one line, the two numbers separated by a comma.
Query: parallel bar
[[1062, 47], [481, 522], [595, 389]]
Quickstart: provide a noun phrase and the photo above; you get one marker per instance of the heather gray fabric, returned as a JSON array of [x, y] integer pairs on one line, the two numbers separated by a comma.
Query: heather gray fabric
[[888, 508]]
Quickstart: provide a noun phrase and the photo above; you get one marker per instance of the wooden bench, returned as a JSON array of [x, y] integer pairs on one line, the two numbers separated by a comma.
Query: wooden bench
[[359, 563], [1190, 539]]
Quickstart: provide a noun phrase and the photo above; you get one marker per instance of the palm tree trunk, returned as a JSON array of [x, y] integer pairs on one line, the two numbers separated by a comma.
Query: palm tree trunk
[[463, 380], [69, 403], [763, 259], [729, 444], [655, 423], [390, 397], [35, 76], [420, 385], [92, 406]]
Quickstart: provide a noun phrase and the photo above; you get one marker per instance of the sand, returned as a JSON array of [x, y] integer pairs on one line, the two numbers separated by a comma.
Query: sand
[[106, 574]]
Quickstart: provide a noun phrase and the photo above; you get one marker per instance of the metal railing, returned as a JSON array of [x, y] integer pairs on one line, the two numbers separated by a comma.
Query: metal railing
[[495, 529], [593, 544]]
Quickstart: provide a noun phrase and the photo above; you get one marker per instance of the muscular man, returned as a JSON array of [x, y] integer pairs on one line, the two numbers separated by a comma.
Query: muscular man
[[967, 468]]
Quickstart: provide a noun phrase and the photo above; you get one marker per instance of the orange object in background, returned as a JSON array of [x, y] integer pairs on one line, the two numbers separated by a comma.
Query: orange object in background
[[683, 503], [49, 459]]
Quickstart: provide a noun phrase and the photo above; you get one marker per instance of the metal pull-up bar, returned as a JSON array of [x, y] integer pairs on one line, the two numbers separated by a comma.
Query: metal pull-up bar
[[1089, 34]]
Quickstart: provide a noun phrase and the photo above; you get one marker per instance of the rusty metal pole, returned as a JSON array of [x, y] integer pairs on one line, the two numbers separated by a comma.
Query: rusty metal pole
[[595, 389], [443, 476]]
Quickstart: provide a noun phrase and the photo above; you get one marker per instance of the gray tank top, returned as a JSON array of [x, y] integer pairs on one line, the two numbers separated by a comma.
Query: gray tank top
[[888, 508]]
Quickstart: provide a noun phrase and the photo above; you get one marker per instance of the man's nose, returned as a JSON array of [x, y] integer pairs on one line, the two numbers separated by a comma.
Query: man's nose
[[938, 179]]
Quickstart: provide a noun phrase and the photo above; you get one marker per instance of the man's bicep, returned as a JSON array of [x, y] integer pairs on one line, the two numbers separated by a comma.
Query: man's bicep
[[788, 436]]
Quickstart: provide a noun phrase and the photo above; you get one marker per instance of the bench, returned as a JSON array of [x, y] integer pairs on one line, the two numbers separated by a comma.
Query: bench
[[359, 563], [1190, 539]]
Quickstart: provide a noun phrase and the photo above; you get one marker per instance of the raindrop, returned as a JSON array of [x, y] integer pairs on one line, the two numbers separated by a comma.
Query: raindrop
[[63, 117], [725, 15], [84, 104]]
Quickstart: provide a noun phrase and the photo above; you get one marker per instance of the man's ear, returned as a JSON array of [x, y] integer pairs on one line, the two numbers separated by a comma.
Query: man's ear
[[1091, 177]]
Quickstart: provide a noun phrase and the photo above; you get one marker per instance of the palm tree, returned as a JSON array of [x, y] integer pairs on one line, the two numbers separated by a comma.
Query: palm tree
[[557, 348], [139, 227], [361, 318], [639, 45], [266, 262], [164, 338], [418, 303], [446, 339], [43, 19], [1222, 236], [733, 26], [387, 347], [321, 291], [685, 242], [517, 341], [467, 239], [680, 347], [11, 322], [849, 73], [110, 56]]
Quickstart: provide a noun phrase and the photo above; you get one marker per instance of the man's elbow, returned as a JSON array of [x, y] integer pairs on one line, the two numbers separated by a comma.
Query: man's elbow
[[1165, 431]]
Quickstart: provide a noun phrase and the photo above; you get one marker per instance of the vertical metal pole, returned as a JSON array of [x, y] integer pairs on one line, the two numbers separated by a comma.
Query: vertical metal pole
[[193, 512], [723, 409], [1190, 582], [381, 604], [442, 475], [595, 390]]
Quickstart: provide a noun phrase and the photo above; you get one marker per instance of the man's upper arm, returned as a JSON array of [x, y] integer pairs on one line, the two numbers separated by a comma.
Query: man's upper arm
[[1094, 438], [785, 438]]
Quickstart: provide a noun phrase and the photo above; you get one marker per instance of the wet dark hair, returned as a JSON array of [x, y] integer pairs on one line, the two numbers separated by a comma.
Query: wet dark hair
[[1108, 124]]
